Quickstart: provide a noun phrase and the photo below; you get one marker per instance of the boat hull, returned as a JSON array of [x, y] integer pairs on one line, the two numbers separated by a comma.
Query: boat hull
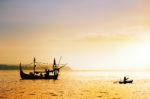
[[32, 76], [128, 81]]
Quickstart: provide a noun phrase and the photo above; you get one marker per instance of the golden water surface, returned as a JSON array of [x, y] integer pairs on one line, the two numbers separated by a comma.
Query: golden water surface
[[75, 85]]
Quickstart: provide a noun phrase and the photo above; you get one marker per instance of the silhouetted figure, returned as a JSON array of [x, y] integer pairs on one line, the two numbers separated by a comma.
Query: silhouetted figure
[[41, 74], [125, 79], [46, 73], [31, 74]]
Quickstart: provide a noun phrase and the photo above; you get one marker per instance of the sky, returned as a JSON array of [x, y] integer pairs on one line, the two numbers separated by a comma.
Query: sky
[[88, 34]]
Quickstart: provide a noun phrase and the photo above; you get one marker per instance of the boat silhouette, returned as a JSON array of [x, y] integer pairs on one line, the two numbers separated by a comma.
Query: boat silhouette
[[128, 81], [125, 81], [47, 74]]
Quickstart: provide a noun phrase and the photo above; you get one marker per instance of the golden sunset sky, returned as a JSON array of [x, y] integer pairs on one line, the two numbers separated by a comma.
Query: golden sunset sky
[[88, 34]]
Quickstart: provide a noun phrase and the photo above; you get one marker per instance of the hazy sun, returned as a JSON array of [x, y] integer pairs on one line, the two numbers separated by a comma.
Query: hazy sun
[[137, 55]]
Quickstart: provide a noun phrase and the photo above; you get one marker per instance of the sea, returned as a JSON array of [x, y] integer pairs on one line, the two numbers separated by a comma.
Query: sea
[[76, 85]]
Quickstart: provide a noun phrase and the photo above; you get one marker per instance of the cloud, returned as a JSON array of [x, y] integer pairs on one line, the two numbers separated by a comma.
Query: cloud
[[109, 38]]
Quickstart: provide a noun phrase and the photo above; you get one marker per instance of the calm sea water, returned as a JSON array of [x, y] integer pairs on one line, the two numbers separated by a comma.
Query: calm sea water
[[76, 85]]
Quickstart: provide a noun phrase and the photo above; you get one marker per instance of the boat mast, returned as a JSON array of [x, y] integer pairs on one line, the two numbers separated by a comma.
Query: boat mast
[[54, 64], [34, 61]]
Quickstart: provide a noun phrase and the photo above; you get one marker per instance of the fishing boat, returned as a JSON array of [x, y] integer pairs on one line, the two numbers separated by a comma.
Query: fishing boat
[[47, 74], [124, 82]]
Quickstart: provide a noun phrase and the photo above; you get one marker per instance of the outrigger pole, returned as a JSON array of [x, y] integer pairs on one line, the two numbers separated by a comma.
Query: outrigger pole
[[59, 60]]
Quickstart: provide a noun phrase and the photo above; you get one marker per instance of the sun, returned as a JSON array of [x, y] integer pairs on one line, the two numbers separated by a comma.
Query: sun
[[137, 55]]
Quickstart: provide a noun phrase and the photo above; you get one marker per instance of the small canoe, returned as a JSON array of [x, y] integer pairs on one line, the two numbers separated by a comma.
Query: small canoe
[[124, 82]]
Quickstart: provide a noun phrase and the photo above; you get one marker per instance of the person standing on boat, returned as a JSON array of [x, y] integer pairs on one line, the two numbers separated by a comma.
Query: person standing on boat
[[46, 73]]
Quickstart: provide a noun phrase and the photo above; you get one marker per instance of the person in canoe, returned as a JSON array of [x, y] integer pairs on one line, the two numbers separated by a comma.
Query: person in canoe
[[125, 79]]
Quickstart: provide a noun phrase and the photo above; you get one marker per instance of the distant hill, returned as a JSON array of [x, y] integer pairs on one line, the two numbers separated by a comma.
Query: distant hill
[[8, 67], [16, 67]]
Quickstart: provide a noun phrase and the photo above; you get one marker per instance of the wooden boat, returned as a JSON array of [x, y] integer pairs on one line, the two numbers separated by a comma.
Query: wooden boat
[[124, 82], [47, 74]]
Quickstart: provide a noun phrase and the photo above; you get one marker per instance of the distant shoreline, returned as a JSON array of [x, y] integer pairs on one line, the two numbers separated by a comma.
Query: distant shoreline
[[16, 67], [67, 68]]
